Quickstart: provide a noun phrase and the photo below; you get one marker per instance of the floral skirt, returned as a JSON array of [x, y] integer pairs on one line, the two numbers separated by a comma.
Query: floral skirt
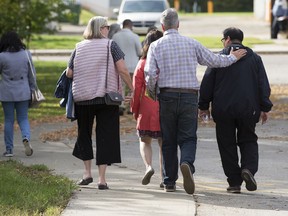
[[147, 133]]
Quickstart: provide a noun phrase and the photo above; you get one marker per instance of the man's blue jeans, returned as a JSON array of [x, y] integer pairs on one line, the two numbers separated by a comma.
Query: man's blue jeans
[[178, 120], [21, 108]]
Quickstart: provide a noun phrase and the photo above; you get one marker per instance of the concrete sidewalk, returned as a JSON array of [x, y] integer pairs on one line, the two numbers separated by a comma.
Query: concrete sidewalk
[[126, 194], [127, 197]]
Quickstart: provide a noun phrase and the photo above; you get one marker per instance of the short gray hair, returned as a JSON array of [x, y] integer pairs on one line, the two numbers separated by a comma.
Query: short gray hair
[[93, 27], [169, 18]]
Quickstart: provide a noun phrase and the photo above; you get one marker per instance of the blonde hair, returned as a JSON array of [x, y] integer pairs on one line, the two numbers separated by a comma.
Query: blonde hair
[[93, 27]]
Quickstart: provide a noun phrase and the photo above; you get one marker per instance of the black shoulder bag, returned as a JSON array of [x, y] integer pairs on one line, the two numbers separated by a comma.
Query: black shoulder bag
[[112, 98]]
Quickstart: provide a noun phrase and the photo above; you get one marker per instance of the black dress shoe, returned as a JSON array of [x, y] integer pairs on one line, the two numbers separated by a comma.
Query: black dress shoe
[[247, 176], [85, 181], [170, 188], [234, 189], [188, 180]]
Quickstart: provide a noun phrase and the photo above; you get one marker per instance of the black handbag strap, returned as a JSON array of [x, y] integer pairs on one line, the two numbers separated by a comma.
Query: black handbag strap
[[108, 52]]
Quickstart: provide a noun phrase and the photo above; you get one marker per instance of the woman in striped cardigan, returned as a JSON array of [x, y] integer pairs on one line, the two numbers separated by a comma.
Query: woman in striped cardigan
[[92, 58]]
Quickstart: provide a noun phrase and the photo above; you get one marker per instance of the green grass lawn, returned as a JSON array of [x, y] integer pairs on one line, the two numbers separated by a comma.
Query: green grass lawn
[[215, 43], [68, 42], [32, 190], [46, 41]]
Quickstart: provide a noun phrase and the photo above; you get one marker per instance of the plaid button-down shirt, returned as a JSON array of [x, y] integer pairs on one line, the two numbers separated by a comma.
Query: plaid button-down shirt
[[172, 61]]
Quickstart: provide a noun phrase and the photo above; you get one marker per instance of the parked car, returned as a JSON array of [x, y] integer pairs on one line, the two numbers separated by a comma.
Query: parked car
[[143, 13]]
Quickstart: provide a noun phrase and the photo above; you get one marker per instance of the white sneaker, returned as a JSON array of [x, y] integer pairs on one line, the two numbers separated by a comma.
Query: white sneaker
[[28, 148], [8, 153], [148, 174]]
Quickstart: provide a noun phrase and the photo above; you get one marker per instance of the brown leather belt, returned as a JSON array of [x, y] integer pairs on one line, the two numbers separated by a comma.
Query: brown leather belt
[[178, 90]]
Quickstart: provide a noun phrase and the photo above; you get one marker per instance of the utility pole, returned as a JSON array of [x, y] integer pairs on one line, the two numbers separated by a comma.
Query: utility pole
[[210, 6], [177, 4]]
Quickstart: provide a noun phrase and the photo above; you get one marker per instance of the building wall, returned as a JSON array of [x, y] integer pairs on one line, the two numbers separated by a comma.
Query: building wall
[[262, 9]]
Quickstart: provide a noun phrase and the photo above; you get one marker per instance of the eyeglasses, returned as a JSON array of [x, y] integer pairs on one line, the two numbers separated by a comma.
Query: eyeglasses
[[223, 39], [108, 27]]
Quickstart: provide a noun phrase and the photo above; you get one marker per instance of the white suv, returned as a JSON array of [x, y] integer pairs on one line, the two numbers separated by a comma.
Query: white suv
[[143, 13]]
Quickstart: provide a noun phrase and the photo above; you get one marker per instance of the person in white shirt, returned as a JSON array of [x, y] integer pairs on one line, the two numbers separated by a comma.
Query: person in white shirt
[[279, 10], [130, 44]]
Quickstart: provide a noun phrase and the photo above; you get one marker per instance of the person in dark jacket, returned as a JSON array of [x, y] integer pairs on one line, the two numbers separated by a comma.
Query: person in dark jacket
[[239, 95]]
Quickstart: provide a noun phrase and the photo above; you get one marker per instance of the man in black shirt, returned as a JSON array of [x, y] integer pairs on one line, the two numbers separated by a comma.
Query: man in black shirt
[[239, 95]]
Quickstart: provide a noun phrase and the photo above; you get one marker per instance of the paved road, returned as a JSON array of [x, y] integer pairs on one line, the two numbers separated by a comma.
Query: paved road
[[211, 198]]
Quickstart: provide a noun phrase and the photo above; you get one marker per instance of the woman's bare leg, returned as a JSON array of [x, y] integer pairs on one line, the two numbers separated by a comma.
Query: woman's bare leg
[[146, 154], [87, 166], [102, 172], [146, 151]]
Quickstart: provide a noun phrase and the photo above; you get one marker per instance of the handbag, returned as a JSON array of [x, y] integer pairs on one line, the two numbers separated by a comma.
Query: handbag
[[36, 95], [36, 98], [112, 98]]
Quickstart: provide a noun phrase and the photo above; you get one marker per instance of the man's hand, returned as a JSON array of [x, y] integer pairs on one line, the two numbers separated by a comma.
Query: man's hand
[[263, 117], [238, 53]]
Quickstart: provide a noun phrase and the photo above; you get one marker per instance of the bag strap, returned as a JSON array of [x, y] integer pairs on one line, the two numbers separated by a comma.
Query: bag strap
[[108, 52], [31, 69]]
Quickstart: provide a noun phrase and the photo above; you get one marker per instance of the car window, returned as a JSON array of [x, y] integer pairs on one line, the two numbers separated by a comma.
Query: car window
[[143, 6]]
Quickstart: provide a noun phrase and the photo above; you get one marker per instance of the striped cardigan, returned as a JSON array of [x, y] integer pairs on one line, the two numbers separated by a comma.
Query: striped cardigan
[[89, 72]]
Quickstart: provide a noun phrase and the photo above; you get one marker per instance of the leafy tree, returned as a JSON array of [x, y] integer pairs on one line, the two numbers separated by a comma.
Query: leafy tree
[[233, 5], [219, 5], [28, 17]]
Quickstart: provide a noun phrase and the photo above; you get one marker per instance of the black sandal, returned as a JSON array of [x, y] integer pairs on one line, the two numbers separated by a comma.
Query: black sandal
[[85, 181], [103, 186]]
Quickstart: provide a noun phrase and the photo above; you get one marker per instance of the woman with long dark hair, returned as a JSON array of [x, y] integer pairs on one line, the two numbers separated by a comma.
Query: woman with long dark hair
[[15, 89]]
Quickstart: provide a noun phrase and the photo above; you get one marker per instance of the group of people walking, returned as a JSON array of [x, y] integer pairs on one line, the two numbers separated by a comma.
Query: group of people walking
[[164, 98]]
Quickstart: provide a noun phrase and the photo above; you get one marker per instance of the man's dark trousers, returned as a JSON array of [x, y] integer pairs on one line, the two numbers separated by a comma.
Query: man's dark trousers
[[230, 134]]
